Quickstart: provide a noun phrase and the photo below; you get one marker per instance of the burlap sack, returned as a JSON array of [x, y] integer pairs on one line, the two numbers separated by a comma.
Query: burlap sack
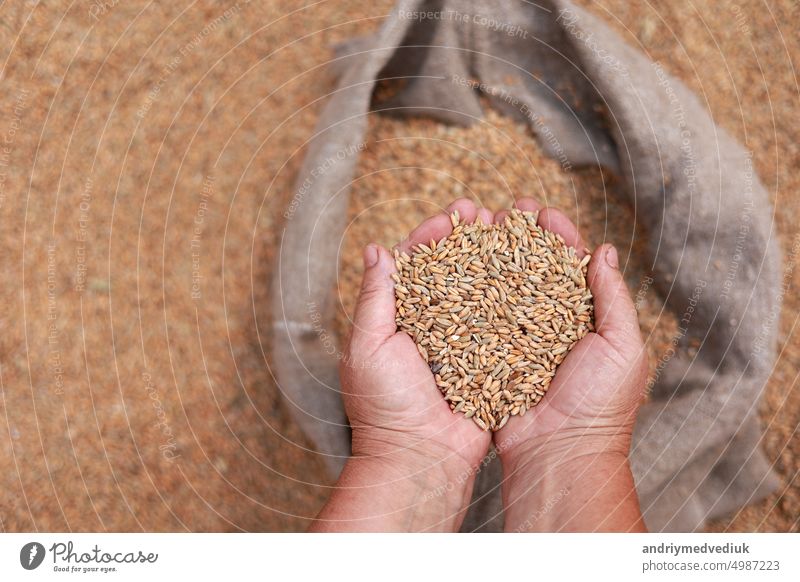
[[590, 99]]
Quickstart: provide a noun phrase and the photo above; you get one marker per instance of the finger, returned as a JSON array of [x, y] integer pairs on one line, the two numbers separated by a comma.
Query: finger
[[439, 226], [485, 215], [527, 205], [466, 210], [434, 228], [614, 313], [557, 222], [500, 216], [374, 321], [524, 204]]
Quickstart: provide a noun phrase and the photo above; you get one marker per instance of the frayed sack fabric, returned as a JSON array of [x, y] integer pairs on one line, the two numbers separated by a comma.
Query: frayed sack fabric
[[590, 99]]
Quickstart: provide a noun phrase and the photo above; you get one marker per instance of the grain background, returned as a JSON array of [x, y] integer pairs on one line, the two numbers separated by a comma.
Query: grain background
[[144, 148]]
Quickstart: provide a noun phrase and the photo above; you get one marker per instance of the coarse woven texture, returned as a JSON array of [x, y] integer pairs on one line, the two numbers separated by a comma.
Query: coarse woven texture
[[696, 448], [494, 309]]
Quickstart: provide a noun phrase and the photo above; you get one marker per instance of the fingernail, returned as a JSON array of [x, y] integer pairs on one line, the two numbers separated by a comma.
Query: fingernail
[[370, 256], [611, 258]]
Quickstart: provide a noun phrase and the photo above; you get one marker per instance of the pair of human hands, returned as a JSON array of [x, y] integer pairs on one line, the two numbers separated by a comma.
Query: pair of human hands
[[397, 413]]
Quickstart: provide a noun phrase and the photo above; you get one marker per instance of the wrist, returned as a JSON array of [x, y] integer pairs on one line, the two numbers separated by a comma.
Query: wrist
[[386, 486], [411, 453], [570, 481], [438, 476], [562, 448]]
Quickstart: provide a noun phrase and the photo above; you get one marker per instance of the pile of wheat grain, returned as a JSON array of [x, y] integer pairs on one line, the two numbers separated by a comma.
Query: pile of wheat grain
[[494, 309]]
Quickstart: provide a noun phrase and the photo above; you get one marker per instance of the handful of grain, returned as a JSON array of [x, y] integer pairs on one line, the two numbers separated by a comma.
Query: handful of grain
[[494, 309]]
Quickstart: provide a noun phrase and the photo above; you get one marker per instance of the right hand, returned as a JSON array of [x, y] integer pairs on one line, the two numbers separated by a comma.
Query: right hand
[[581, 430]]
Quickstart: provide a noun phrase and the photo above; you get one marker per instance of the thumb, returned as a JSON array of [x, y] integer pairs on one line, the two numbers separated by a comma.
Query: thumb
[[375, 311], [614, 313]]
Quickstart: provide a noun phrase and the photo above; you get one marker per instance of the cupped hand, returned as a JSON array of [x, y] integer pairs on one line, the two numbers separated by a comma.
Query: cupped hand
[[597, 389], [565, 462], [414, 460], [393, 404]]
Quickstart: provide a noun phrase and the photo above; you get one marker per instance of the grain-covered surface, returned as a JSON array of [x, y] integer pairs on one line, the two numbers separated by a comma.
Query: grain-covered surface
[[148, 155], [494, 309]]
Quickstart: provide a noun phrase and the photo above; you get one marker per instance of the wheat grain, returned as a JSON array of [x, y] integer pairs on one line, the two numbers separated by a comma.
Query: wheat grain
[[494, 309]]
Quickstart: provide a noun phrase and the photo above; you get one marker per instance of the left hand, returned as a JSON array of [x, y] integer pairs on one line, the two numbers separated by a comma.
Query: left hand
[[414, 461], [390, 395]]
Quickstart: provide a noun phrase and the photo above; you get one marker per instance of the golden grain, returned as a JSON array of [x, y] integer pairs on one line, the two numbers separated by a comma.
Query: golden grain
[[494, 309]]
